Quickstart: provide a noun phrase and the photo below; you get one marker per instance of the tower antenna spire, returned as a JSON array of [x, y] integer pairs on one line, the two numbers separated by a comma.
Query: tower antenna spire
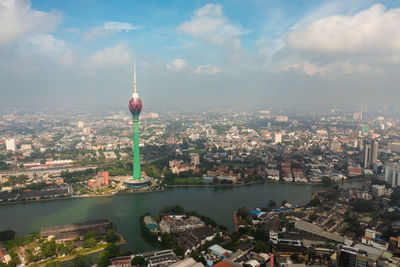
[[134, 76]]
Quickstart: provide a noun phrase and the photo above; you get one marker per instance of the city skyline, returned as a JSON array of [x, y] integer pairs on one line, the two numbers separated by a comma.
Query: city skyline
[[199, 54]]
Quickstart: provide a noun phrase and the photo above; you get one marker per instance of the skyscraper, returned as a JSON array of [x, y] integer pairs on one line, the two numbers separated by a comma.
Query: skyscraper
[[370, 153]]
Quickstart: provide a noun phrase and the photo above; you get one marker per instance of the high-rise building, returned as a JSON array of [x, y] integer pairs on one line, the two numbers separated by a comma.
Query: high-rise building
[[374, 151], [277, 138], [11, 144], [370, 153], [392, 174], [351, 257]]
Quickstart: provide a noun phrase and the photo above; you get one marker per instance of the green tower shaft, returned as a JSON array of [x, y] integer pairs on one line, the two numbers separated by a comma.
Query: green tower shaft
[[136, 155]]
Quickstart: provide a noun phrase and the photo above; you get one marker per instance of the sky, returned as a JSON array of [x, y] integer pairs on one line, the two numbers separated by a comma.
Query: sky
[[199, 54]]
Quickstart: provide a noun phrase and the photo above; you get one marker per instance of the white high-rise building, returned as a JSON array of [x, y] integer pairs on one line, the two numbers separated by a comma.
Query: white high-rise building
[[277, 138], [392, 174], [11, 144]]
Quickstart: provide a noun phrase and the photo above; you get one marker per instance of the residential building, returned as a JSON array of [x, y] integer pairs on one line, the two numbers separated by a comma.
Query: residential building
[[11, 144]]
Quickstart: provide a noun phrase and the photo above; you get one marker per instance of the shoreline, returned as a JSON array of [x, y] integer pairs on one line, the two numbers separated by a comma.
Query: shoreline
[[185, 185]]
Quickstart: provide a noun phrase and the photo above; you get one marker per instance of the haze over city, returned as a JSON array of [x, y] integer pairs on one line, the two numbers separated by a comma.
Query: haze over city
[[198, 53], [197, 133]]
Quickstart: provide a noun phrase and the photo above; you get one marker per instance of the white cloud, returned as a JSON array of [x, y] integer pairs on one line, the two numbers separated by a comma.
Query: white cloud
[[372, 30], [364, 42], [69, 58], [177, 65], [212, 26], [206, 69], [120, 26], [43, 45], [111, 57], [18, 18], [108, 28], [336, 68]]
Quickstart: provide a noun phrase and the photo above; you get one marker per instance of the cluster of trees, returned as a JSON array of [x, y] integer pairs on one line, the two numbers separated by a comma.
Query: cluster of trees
[[77, 176], [4, 166], [172, 209], [7, 235], [362, 205], [48, 249]]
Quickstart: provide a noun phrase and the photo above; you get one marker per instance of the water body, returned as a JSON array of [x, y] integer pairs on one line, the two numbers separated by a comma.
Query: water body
[[125, 210]]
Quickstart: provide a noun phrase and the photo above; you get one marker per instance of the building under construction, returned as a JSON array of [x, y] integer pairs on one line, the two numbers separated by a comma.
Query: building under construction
[[70, 231]]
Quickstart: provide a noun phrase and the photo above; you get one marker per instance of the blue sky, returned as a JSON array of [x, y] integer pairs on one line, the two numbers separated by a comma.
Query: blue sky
[[199, 53]]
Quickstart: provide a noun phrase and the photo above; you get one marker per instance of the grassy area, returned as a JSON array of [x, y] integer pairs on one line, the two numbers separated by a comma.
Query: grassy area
[[188, 181], [234, 164]]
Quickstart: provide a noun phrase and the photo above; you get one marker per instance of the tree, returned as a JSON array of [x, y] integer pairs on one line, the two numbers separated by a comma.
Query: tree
[[91, 242], [283, 202], [15, 260], [111, 236], [315, 202], [138, 261], [81, 261], [362, 205], [112, 250], [49, 249], [104, 259], [165, 210], [177, 209], [109, 252], [179, 251], [260, 247], [242, 213], [63, 250], [91, 233], [7, 235], [271, 204], [294, 257]]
